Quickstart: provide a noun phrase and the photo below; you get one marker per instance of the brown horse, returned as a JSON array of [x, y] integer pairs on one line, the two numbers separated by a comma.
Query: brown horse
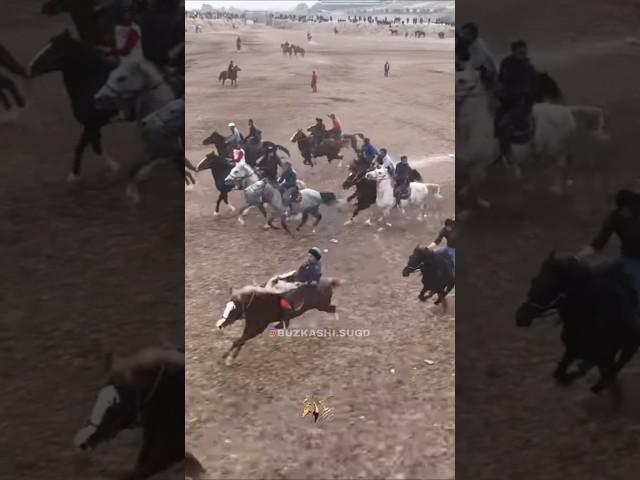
[[260, 306], [144, 390], [329, 148], [231, 75]]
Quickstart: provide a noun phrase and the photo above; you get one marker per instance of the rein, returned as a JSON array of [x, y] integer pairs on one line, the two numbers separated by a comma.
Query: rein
[[544, 308], [140, 404]]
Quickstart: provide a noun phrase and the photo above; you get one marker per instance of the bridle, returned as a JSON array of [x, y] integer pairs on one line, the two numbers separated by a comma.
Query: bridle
[[541, 309]]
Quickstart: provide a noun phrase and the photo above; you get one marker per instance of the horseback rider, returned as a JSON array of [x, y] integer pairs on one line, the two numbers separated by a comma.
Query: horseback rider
[[230, 68], [624, 221], [318, 131], [402, 179], [235, 139], [255, 135], [385, 160], [288, 185], [517, 83], [369, 152], [238, 154], [308, 275], [450, 234], [127, 38], [480, 57], [336, 130]]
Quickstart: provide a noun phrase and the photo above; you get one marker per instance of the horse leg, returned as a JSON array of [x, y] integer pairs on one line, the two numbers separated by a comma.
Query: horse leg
[[242, 213], [250, 331], [305, 217], [95, 137], [318, 216], [216, 212], [74, 175], [421, 295], [560, 373], [351, 197], [225, 198], [353, 216]]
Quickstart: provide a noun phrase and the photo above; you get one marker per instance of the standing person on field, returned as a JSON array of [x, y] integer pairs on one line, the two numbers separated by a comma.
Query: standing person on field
[[314, 82], [386, 68]]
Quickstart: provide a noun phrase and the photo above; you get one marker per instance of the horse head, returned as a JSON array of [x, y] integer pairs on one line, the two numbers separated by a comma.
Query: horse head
[[417, 260], [54, 55], [356, 172], [547, 288], [378, 174], [214, 139], [297, 136], [131, 384]]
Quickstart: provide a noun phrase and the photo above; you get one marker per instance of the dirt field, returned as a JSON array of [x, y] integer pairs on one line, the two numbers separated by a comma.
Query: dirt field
[[393, 392], [84, 273], [513, 421]]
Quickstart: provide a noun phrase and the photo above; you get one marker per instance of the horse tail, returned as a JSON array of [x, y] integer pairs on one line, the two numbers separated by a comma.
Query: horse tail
[[598, 132], [328, 198], [285, 150]]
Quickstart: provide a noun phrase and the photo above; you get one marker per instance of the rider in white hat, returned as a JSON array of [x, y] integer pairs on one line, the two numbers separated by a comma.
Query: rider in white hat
[[235, 139]]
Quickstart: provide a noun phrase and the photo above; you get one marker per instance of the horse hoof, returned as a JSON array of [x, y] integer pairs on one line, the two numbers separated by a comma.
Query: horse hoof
[[188, 188], [228, 361], [368, 222], [216, 214], [240, 221], [266, 227], [313, 231], [73, 178], [231, 208], [381, 229]]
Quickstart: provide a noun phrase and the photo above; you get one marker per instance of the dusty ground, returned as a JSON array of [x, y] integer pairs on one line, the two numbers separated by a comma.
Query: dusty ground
[[242, 422], [513, 422], [84, 273]]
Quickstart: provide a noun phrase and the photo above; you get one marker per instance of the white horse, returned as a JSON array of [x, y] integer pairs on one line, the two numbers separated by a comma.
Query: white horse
[[419, 195], [138, 89], [476, 145], [247, 180]]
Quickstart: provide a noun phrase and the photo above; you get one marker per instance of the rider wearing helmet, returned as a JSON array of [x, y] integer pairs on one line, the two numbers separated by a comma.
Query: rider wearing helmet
[[450, 234], [624, 221], [308, 275]]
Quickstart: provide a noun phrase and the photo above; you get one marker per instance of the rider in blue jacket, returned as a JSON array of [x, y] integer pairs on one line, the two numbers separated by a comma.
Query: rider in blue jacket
[[369, 152], [308, 275]]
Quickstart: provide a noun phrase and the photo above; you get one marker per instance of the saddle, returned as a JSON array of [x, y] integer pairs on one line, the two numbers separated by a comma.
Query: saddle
[[403, 192], [516, 125]]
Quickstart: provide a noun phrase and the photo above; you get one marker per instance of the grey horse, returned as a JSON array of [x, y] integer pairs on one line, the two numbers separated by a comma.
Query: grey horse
[[257, 192]]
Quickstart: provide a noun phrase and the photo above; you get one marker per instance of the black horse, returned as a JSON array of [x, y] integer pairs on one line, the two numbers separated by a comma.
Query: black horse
[[365, 193], [84, 72], [253, 151], [438, 273], [145, 390], [220, 168], [6, 84], [599, 313], [231, 75]]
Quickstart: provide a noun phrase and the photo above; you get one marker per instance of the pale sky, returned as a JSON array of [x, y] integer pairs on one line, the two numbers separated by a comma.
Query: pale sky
[[249, 4]]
